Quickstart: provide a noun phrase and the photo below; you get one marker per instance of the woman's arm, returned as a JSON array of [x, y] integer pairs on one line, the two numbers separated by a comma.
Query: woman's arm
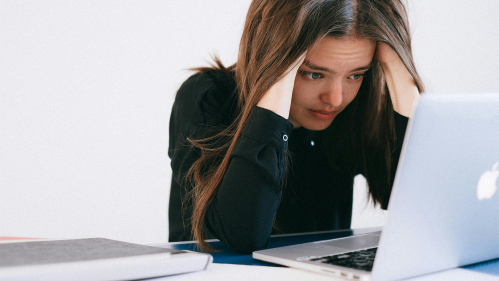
[[243, 210], [244, 207], [401, 85], [245, 204]]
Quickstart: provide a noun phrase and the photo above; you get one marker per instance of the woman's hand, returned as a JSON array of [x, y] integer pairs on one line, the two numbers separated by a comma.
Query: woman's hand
[[278, 97], [401, 85]]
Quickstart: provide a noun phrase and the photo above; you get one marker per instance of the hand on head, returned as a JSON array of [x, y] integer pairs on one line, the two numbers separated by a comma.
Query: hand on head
[[385, 54], [278, 98]]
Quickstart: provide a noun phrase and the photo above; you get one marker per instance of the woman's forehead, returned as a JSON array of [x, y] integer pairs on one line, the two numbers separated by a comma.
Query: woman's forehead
[[346, 53]]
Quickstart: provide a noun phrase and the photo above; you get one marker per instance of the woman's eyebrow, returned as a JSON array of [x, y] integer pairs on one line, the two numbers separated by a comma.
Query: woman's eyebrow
[[362, 68], [316, 67], [320, 68]]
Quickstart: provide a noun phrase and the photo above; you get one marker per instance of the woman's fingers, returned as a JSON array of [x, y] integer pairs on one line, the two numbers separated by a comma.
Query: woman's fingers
[[298, 62]]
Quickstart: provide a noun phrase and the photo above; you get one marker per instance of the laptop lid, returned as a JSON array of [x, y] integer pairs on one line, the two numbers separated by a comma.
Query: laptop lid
[[439, 216]]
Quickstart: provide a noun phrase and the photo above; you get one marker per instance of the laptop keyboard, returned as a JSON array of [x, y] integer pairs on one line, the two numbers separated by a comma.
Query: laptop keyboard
[[362, 260]]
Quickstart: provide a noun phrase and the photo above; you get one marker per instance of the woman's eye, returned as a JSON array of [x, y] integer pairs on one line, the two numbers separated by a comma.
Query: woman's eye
[[313, 75], [356, 76]]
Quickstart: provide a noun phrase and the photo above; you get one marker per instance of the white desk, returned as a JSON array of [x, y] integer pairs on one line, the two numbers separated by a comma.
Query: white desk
[[217, 272]]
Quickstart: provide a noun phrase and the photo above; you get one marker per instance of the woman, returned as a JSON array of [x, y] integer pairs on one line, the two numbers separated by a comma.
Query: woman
[[322, 91]]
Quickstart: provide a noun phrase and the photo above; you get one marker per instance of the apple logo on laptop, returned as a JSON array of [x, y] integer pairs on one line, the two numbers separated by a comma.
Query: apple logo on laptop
[[487, 185]]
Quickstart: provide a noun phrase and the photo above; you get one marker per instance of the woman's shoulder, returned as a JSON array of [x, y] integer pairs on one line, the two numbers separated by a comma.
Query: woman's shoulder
[[211, 92]]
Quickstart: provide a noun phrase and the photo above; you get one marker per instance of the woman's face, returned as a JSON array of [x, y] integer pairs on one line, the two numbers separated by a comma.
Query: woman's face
[[328, 80]]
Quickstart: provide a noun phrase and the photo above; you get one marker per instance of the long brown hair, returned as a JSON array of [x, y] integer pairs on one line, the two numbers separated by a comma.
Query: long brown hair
[[275, 34]]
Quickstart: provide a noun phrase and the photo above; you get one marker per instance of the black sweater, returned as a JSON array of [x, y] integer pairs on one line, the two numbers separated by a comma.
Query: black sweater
[[313, 197]]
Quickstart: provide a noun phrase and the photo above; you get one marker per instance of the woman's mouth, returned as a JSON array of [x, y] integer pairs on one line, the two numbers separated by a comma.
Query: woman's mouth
[[323, 114]]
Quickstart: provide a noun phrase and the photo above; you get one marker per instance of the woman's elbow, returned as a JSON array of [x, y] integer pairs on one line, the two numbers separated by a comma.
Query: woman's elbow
[[248, 245]]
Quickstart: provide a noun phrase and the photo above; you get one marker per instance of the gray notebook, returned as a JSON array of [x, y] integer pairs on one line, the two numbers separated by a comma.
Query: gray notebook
[[93, 259]]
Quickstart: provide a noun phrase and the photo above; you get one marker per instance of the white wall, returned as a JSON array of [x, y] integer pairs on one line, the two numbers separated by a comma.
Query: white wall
[[456, 44], [86, 89]]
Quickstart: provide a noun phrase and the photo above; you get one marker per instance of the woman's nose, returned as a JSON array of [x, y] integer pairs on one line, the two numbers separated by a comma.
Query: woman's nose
[[333, 95]]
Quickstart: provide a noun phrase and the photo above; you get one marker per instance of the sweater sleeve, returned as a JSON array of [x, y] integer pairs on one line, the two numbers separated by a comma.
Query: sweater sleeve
[[243, 210]]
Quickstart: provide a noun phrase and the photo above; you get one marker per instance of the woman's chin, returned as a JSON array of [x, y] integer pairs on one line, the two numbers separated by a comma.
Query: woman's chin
[[316, 125]]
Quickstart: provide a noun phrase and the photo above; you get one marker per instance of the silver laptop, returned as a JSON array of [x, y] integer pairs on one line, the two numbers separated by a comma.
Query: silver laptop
[[443, 210]]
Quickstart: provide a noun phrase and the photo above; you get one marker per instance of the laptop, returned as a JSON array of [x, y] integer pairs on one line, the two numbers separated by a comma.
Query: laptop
[[444, 212]]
